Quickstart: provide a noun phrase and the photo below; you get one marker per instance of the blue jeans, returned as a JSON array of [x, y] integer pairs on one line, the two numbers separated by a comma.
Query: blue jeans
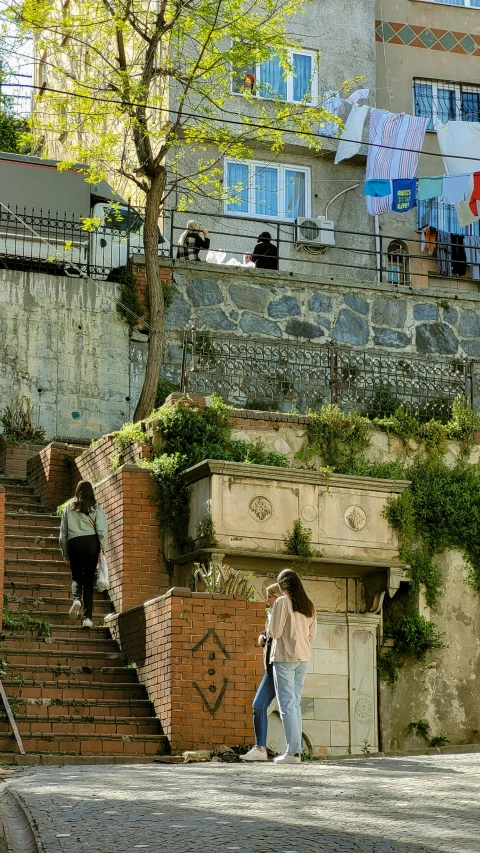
[[263, 697], [289, 678]]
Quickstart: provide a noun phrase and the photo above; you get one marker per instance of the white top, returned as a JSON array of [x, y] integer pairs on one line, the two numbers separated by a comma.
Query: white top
[[292, 632]]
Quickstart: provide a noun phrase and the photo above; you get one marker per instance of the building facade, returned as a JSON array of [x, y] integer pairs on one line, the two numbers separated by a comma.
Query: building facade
[[428, 62]]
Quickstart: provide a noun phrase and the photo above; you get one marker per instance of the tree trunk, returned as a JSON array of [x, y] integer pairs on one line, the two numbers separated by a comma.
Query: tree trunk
[[154, 198]]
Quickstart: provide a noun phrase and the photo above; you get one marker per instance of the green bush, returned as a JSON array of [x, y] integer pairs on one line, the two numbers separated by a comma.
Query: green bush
[[414, 636], [298, 541]]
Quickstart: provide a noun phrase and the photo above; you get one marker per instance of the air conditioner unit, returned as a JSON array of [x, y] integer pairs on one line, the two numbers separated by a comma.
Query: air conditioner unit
[[315, 232]]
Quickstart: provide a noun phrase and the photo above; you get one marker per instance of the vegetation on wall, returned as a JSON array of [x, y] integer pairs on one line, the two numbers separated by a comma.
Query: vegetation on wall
[[298, 541], [17, 421], [190, 436], [219, 578], [440, 509]]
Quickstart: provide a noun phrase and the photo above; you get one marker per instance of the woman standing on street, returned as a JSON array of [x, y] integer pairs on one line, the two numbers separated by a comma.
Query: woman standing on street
[[266, 692], [83, 534], [293, 625]]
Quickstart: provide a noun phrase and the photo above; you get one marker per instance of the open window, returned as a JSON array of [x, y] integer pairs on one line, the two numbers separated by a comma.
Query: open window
[[269, 80]]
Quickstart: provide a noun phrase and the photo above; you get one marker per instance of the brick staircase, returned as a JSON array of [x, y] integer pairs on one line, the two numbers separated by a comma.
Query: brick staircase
[[72, 694]]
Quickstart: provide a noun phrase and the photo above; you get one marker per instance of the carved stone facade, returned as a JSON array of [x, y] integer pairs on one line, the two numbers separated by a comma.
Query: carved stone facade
[[355, 564]]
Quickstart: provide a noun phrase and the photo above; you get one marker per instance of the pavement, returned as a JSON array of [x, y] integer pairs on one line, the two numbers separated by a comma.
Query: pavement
[[418, 804]]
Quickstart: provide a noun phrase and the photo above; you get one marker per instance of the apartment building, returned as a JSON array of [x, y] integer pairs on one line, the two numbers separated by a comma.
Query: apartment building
[[428, 64], [337, 45]]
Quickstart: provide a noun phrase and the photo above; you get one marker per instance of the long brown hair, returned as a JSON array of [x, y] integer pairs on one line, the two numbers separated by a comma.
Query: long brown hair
[[84, 498], [292, 586]]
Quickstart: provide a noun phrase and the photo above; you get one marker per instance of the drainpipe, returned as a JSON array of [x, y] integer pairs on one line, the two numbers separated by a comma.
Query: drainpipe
[[378, 248]]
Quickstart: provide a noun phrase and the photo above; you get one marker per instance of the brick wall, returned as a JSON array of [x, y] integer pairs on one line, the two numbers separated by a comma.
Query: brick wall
[[134, 554], [14, 457], [139, 270], [49, 472], [95, 463], [2, 547], [172, 642]]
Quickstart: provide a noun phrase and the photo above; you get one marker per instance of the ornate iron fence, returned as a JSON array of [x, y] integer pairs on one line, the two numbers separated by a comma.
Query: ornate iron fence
[[259, 374]]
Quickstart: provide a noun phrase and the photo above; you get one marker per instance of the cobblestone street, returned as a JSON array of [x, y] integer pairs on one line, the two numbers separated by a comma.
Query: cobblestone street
[[403, 805]]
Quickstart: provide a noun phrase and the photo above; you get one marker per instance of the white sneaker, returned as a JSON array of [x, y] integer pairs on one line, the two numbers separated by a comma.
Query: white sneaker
[[75, 609], [87, 623], [255, 754], [287, 759]]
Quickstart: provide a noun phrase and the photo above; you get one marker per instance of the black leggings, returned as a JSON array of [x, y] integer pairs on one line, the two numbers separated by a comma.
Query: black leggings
[[83, 554]]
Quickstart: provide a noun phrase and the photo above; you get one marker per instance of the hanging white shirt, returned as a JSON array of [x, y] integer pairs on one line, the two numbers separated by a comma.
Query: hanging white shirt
[[359, 95], [461, 138], [331, 102], [351, 139]]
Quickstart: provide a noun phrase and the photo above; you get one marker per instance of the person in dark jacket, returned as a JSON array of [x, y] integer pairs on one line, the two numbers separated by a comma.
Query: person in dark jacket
[[190, 242], [265, 253]]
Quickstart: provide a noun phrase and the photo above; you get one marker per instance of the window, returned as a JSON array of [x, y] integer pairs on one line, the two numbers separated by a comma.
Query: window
[[443, 217], [398, 263], [270, 80], [442, 102], [269, 192], [475, 3]]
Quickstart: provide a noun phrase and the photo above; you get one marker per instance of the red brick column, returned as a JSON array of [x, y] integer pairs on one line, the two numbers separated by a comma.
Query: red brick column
[[49, 473], [2, 548], [134, 554], [198, 657]]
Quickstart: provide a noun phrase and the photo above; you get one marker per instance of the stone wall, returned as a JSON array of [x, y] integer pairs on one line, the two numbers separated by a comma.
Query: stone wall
[[277, 307], [14, 457], [196, 652], [63, 345]]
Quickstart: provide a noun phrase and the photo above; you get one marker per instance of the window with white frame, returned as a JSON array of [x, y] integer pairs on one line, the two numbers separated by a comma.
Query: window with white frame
[[267, 191], [440, 101], [270, 80], [472, 3]]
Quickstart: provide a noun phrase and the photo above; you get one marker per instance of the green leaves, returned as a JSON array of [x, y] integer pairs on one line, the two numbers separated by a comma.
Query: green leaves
[[337, 437]]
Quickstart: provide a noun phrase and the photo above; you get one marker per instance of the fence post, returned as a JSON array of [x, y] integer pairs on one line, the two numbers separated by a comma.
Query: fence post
[[472, 379], [172, 213], [333, 374]]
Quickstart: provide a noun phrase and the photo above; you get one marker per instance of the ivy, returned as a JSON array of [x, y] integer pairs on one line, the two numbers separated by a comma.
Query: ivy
[[129, 297], [414, 636], [18, 621], [128, 434], [337, 437], [440, 511]]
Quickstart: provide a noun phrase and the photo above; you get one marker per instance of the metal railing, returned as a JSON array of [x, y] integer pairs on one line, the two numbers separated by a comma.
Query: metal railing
[[259, 374]]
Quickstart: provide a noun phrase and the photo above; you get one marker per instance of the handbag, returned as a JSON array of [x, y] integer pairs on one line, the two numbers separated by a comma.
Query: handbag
[[102, 578]]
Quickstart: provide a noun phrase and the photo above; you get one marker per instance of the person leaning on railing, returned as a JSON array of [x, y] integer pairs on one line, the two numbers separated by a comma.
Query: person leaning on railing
[[190, 242], [265, 253]]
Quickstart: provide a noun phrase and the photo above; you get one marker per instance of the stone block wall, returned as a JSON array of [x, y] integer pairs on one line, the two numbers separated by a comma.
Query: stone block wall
[[277, 306], [134, 554], [197, 655], [14, 457]]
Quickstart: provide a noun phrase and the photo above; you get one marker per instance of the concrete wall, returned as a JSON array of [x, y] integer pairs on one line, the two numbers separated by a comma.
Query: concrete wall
[[64, 337]]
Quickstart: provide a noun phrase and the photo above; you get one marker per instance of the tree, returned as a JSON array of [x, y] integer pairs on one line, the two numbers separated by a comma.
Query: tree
[[141, 91], [12, 128]]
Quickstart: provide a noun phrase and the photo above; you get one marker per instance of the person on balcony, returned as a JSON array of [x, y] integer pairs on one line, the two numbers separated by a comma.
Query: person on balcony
[[293, 625], [265, 253], [190, 242]]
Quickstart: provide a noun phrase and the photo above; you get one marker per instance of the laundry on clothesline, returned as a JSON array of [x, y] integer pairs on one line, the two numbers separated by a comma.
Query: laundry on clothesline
[[456, 188], [359, 95], [351, 138], [377, 188], [404, 194], [396, 141]]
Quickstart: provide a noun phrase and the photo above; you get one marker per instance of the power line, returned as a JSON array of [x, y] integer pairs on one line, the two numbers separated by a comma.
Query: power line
[[246, 125]]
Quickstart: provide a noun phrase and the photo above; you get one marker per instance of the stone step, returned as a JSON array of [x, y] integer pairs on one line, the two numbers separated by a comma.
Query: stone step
[[18, 587], [86, 744], [35, 576], [21, 520], [45, 759], [18, 490], [84, 644], [63, 674], [20, 657], [87, 689], [26, 503], [17, 553], [52, 606], [12, 481], [53, 708], [81, 725], [48, 539], [41, 566]]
